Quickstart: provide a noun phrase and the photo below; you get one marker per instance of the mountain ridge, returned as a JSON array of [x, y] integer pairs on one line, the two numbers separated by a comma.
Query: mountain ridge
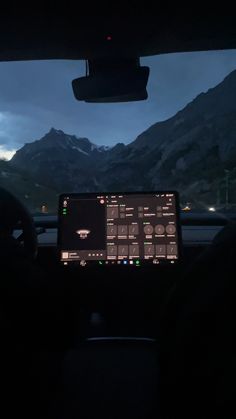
[[189, 151]]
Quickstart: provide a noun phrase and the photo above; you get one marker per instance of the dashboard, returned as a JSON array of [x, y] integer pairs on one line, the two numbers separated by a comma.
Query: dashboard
[[134, 229]]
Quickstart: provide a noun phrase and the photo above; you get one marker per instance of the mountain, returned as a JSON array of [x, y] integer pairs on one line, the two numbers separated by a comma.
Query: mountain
[[61, 161], [190, 151]]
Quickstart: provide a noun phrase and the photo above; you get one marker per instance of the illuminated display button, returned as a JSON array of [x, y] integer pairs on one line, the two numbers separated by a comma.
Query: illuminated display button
[[159, 229], [134, 250], [112, 212], [137, 262], [111, 230], [148, 229], [170, 229], [133, 229], [161, 249], [123, 250], [149, 250], [172, 249], [122, 230], [112, 250]]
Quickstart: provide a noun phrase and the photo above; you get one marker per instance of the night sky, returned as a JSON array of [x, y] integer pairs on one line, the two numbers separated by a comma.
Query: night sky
[[35, 96]]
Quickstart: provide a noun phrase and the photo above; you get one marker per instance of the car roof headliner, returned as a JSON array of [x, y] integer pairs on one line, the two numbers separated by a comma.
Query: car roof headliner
[[63, 33]]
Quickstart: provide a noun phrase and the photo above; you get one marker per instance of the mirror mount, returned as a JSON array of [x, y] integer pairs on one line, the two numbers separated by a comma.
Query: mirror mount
[[112, 80]]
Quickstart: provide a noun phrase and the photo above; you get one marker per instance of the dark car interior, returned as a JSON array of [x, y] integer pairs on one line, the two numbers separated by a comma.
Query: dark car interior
[[89, 338]]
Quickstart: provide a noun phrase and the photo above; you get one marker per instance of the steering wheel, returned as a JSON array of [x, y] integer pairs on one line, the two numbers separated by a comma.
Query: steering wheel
[[13, 212]]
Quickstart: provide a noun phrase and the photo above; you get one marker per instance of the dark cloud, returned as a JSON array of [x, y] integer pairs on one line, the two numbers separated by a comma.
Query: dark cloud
[[34, 96]]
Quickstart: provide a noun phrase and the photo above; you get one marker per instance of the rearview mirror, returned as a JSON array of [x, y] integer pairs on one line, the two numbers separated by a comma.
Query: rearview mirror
[[112, 83]]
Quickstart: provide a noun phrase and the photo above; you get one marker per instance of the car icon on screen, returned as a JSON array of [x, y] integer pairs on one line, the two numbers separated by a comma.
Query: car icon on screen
[[83, 233]]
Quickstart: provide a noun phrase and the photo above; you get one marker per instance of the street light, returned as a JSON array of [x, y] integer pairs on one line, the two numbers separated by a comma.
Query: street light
[[227, 173]]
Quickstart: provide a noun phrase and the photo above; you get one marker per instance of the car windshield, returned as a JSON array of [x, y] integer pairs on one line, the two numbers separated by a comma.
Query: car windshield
[[183, 137]]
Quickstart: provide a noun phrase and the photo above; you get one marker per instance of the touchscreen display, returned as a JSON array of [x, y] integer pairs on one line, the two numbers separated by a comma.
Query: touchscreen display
[[119, 229]]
